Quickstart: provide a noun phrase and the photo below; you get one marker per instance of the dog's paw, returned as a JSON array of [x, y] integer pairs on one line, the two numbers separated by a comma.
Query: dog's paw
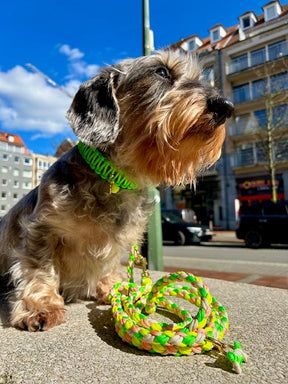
[[104, 287], [38, 320]]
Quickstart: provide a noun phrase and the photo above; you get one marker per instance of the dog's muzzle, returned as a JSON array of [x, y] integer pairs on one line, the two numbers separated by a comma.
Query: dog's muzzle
[[221, 108]]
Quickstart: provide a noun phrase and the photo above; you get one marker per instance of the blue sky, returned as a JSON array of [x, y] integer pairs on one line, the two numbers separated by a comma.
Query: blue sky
[[70, 40]]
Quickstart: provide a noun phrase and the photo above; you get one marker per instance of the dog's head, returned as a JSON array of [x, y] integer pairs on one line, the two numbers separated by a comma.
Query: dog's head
[[153, 116]]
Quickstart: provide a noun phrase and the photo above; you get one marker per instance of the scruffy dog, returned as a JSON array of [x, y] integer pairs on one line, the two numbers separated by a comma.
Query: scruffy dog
[[152, 121]]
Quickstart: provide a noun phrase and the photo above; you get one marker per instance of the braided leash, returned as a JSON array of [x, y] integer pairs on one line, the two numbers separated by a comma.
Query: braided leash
[[194, 334]]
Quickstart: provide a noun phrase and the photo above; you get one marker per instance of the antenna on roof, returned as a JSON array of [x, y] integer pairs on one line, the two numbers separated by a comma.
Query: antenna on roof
[[48, 79]]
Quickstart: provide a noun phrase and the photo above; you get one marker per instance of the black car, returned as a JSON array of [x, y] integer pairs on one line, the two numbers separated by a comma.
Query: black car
[[175, 230], [264, 224]]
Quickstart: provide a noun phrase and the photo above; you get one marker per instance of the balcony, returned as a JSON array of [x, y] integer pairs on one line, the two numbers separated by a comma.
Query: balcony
[[257, 57], [254, 155]]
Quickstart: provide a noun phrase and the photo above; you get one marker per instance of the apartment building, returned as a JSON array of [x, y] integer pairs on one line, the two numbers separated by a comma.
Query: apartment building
[[15, 170], [40, 165], [20, 170], [248, 62]]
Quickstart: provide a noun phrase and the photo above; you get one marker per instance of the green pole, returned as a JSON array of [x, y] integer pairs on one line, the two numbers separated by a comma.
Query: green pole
[[146, 28], [154, 248]]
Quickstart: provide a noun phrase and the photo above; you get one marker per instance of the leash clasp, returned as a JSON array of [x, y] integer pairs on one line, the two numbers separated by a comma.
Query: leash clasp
[[141, 262]]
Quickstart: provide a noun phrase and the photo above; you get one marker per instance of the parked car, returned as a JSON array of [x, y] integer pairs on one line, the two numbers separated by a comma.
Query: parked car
[[180, 232], [264, 224]]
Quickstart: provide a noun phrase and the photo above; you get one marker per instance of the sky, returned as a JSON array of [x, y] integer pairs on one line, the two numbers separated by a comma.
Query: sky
[[69, 41]]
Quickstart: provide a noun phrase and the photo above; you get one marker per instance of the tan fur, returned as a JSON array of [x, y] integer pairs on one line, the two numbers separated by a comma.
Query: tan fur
[[64, 240]]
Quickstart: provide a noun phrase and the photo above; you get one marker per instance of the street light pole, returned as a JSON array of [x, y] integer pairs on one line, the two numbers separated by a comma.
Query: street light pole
[[154, 249], [146, 28]]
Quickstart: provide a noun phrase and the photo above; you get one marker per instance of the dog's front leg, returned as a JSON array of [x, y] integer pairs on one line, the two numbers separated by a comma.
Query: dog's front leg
[[38, 304]]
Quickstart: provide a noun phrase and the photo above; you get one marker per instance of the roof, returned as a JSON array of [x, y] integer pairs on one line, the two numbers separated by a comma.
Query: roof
[[12, 139], [232, 33]]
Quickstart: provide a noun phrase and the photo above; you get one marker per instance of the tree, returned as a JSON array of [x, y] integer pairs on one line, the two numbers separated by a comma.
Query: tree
[[270, 126]]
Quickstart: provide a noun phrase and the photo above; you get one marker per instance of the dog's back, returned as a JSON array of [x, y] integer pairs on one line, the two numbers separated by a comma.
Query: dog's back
[[10, 229]]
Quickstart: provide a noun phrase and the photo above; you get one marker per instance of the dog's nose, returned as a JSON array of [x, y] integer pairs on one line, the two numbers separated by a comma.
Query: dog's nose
[[221, 108]]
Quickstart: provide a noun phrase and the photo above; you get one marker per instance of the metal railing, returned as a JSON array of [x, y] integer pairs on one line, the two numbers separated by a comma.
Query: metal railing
[[253, 58]]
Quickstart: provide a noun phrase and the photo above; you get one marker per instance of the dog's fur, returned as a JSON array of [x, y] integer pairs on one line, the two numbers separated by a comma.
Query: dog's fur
[[152, 118]]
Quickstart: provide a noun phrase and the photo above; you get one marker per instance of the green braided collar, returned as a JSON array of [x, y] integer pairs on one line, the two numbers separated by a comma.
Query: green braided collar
[[104, 169]]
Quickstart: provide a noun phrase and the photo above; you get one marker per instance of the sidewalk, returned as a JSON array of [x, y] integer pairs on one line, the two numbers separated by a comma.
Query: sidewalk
[[255, 279], [87, 350]]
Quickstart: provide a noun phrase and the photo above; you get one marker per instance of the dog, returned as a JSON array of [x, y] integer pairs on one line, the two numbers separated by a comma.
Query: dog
[[140, 123]]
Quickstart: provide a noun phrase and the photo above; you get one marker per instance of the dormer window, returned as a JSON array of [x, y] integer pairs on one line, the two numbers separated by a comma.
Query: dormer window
[[217, 33], [194, 43], [272, 10], [247, 20]]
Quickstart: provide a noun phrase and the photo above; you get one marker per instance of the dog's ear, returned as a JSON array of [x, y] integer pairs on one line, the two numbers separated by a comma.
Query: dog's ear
[[94, 112]]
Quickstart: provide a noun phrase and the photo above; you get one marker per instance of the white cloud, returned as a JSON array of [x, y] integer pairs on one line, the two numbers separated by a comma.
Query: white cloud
[[77, 67], [73, 54], [28, 103]]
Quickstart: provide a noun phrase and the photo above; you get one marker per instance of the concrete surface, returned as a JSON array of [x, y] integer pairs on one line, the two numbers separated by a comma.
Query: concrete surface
[[87, 350]]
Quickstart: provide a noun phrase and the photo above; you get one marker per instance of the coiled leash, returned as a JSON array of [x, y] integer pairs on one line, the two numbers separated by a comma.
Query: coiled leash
[[195, 334]]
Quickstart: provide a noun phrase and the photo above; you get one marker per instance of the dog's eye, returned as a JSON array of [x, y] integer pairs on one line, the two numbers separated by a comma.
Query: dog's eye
[[163, 72]]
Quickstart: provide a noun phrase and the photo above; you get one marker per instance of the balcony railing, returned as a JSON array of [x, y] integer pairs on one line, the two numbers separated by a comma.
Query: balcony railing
[[251, 59]]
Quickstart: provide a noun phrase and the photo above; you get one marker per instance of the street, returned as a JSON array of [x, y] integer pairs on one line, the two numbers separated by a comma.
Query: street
[[228, 258]]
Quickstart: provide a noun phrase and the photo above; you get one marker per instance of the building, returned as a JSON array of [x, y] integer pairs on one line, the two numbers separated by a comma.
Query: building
[[20, 170], [16, 171], [40, 165], [248, 62]]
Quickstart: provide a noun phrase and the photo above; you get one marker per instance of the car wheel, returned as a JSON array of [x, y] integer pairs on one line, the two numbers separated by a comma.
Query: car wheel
[[180, 238], [253, 239]]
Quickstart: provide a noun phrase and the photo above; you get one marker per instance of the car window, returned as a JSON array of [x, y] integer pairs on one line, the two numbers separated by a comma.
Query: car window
[[172, 217], [275, 209]]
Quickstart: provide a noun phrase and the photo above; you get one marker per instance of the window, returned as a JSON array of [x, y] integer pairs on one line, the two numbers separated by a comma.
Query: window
[[27, 174], [209, 75], [215, 35], [239, 62], [27, 161], [272, 11], [261, 153], [246, 22], [258, 56], [241, 93], [280, 116], [4, 182], [258, 88], [245, 155], [4, 169], [4, 195], [282, 150], [15, 196], [277, 50], [242, 124], [5, 156], [279, 82], [3, 207], [16, 184], [16, 172], [27, 185], [16, 159], [192, 45], [261, 117]]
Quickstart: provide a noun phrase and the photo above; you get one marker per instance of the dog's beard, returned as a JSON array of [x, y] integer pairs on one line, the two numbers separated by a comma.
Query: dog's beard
[[173, 144]]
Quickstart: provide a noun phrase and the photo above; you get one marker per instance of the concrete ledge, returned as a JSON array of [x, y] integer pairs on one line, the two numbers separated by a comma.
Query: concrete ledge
[[87, 350]]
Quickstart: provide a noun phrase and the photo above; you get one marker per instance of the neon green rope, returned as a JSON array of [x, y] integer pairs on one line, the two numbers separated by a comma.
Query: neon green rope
[[194, 334]]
